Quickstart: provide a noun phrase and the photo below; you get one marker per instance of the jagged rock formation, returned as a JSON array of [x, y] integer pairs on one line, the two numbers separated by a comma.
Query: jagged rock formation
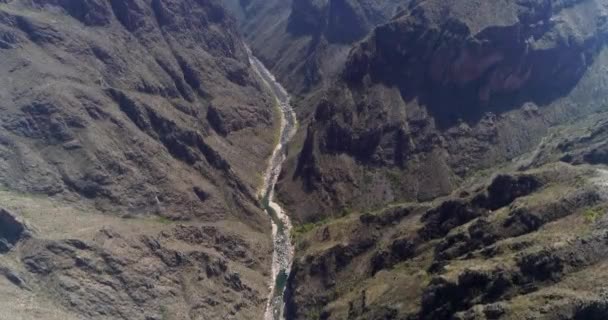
[[149, 97], [400, 219], [523, 246], [131, 114], [442, 91], [485, 61], [305, 42], [132, 133], [11, 231], [581, 143], [146, 277]]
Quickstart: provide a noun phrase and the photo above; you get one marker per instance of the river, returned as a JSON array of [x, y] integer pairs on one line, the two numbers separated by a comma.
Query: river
[[283, 251]]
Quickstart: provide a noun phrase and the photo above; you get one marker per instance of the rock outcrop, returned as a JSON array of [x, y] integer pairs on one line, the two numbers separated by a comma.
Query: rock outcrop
[[11, 231]]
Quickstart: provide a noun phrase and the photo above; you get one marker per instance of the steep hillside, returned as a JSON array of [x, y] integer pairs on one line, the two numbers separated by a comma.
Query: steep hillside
[[306, 42], [134, 135], [526, 242], [456, 169], [450, 160], [442, 91], [525, 245]]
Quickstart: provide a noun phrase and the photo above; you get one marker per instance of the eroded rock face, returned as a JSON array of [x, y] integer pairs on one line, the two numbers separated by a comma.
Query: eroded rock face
[[136, 110], [11, 231], [443, 90], [504, 189], [140, 89], [485, 58], [339, 21], [142, 277], [575, 147], [89, 12], [459, 259], [306, 42], [304, 17]]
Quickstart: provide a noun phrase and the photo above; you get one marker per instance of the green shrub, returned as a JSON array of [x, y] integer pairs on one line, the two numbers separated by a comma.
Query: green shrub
[[593, 214], [307, 227], [164, 313]]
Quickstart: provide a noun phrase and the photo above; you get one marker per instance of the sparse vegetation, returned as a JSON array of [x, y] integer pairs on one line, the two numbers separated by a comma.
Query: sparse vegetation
[[307, 227], [164, 313], [313, 314], [593, 214], [271, 212], [368, 179], [143, 165], [164, 220], [345, 212], [395, 179], [276, 114]]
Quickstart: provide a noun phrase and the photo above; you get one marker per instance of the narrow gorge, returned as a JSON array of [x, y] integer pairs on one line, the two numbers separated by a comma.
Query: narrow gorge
[[303, 159], [283, 251]]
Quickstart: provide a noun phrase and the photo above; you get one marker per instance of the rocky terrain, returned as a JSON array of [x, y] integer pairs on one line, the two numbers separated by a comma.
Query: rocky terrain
[[134, 136], [526, 242], [450, 160], [438, 94], [453, 165], [305, 42], [526, 245]]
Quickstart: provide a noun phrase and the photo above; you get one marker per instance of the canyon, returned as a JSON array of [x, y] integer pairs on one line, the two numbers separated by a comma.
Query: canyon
[[303, 159]]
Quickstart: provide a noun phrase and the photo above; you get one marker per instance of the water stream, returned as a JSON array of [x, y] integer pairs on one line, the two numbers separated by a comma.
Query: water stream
[[283, 251]]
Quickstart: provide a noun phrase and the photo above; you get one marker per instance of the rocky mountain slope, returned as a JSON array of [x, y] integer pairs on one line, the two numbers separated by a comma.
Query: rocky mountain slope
[[450, 161], [442, 92], [527, 242], [524, 245], [305, 42], [134, 135], [455, 169]]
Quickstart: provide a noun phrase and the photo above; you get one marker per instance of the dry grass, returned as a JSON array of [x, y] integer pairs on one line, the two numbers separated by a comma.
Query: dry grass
[[55, 219], [17, 304]]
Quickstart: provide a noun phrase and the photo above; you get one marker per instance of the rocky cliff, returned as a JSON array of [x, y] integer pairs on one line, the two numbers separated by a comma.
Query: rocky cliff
[[455, 169], [133, 135], [519, 246], [450, 162], [442, 91], [524, 243], [305, 42]]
